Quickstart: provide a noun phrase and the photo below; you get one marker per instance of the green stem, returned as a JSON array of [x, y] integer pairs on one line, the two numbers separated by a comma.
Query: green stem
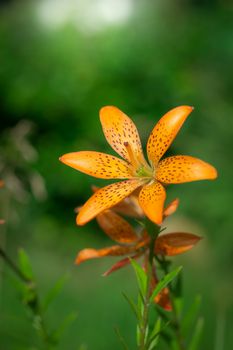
[[13, 266], [176, 319], [153, 231], [35, 305]]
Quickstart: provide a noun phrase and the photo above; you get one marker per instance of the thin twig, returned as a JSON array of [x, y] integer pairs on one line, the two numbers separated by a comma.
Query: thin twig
[[13, 266]]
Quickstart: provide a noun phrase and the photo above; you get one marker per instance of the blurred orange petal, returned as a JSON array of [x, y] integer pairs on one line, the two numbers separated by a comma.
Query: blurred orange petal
[[97, 164], [175, 243], [118, 265], [165, 131], [120, 131], [180, 169], [1, 183], [171, 208], [106, 198], [151, 199], [116, 227], [90, 253], [130, 207], [163, 300], [2, 221]]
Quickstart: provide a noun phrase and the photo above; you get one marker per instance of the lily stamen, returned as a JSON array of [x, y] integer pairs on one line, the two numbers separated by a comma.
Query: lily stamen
[[133, 160]]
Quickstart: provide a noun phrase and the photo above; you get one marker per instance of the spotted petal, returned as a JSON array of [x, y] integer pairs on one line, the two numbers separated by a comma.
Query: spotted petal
[[179, 169], [175, 243], [106, 198], [116, 227], [89, 253], [129, 206], [151, 199], [165, 131], [120, 130], [98, 164]]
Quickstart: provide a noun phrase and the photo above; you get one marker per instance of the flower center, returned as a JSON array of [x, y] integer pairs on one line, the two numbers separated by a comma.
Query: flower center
[[143, 172], [140, 167]]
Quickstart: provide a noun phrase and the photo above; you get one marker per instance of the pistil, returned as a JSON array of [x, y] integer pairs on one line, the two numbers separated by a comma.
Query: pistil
[[141, 168], [133, 160]]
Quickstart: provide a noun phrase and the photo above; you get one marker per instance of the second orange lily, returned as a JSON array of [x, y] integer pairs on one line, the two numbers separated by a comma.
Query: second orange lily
[[151, 176]]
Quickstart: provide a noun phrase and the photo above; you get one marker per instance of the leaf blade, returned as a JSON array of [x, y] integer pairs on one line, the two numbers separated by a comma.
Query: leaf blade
[[164, 282]]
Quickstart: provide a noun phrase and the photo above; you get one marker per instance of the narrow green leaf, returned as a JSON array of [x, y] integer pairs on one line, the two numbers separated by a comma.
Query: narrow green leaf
[[138, 335], [157, 331], [154, 335], [191, 315], [165, 281], [140, 305], [25, 264], [177, 292], [121, 339], [141, 276], [165, 315], [197, 334], [68, 320], [53, 292], [132, 305], [220, 330]]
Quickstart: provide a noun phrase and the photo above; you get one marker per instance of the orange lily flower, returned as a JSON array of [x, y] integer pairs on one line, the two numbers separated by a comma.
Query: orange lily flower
[[135, 244], [150, 177]]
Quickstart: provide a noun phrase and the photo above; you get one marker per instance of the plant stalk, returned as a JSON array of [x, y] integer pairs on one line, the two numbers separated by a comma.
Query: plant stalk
[[153, 231], [176, 320], [13, 266]]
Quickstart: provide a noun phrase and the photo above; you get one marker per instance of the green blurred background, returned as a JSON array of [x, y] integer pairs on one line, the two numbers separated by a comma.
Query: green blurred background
[[61, 61]]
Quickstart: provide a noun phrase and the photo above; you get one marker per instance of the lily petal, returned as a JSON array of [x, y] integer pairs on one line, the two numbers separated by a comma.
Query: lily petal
[[106, 198], [98, 164], [90, 253], [116, 227], [151, 199], [119, 264], [165, 131], [120, 130], [163, 300], [180, 169], [129, 207], [175, 243], [171, 208]]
